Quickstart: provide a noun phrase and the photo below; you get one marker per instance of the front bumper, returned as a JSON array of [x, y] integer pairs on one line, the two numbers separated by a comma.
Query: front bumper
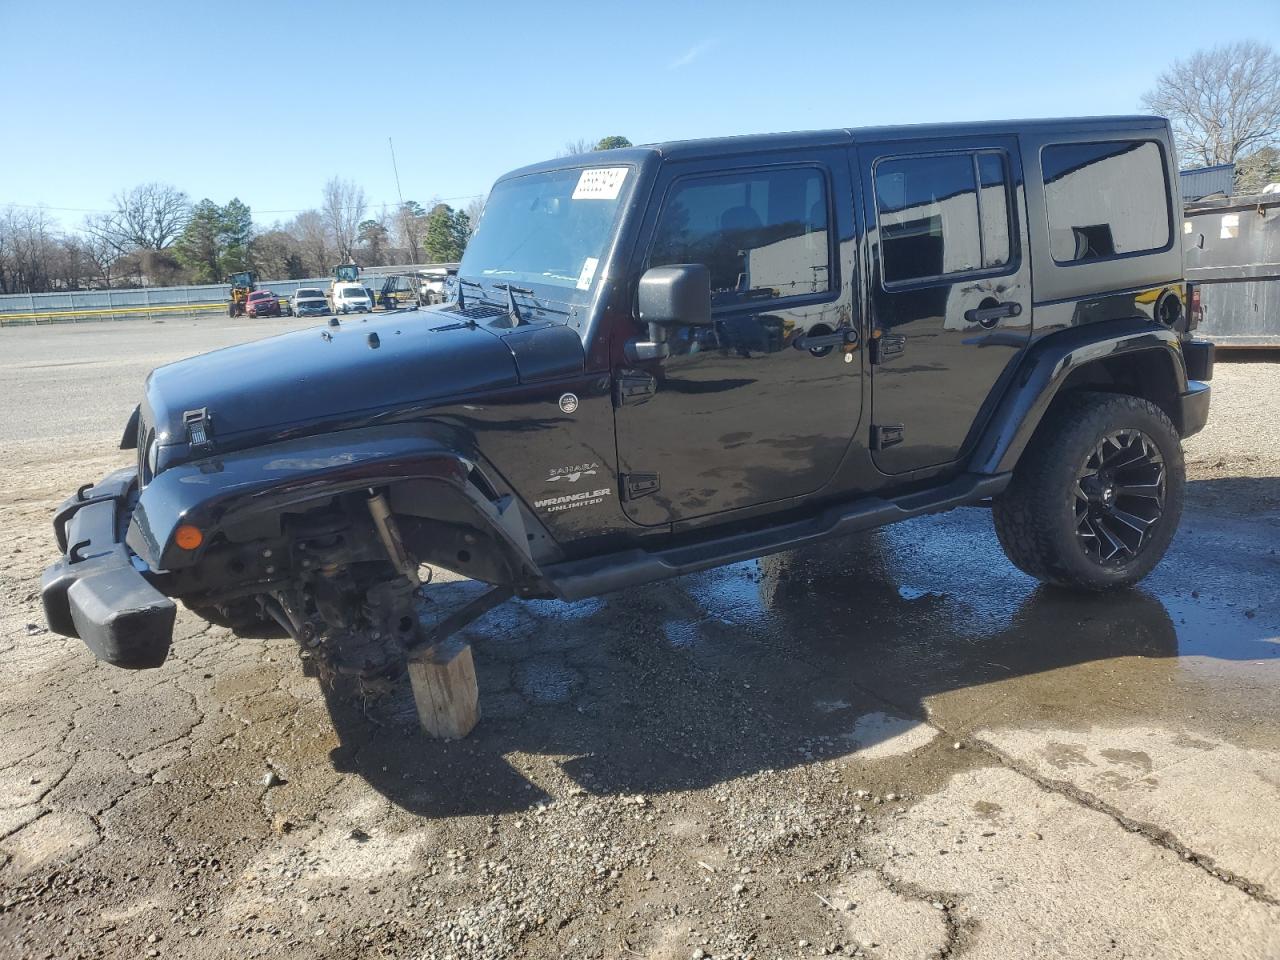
[[96, 592]]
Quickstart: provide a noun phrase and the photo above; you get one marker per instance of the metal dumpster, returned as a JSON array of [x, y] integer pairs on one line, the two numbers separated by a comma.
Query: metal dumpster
[[1232, 250]]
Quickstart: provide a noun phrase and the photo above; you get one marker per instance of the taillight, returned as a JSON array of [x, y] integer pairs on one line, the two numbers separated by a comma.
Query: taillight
[[1194, 312]]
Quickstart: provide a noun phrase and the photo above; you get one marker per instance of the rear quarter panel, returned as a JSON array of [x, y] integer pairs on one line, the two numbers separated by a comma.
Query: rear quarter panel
[[1052, 281]]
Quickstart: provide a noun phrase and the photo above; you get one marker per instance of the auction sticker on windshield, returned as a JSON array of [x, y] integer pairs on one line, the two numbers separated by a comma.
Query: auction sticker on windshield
[[588, 273], [600, 183]]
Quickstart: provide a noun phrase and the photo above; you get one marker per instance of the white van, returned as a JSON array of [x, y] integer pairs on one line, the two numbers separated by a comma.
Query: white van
[[351, 298]]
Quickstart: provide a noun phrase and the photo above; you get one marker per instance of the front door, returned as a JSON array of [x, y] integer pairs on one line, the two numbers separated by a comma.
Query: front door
[[737, 415], [951, 294]]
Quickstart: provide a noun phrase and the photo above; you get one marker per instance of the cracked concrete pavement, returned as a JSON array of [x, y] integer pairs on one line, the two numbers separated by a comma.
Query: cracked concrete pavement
[[895, 746]]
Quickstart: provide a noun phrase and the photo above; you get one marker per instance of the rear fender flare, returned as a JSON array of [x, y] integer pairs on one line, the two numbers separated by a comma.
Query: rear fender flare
[[1050, 364]]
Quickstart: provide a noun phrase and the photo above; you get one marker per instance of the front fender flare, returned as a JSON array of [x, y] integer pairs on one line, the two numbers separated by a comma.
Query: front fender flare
[[1044, 370], [222, 491]]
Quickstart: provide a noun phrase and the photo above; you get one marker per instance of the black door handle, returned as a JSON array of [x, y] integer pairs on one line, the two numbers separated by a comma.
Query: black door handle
[[846, 336], [989, 316]]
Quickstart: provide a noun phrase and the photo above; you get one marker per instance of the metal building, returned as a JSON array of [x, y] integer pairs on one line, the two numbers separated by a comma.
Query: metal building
[[1207, 181]]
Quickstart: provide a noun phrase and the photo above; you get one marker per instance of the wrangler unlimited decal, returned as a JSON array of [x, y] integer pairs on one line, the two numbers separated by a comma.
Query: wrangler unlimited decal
[[571, 501]]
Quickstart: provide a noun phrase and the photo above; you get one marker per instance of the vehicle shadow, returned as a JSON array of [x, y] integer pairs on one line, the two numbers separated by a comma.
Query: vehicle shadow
[[757, 666], [1244, 496]]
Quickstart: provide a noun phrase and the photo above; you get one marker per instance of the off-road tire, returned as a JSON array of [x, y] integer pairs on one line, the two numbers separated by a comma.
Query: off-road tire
[[1035, 517]]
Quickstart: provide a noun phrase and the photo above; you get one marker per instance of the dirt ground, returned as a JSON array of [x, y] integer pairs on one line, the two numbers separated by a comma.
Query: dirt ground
[[895, 746]]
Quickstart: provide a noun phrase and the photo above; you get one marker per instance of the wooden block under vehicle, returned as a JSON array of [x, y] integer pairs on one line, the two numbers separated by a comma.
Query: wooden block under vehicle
[[443, 677]]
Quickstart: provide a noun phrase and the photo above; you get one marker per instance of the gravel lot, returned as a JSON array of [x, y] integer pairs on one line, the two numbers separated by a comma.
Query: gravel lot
[[895, 746]]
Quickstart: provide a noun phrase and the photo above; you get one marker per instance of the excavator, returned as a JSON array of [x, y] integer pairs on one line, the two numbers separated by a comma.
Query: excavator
[[242, 284]]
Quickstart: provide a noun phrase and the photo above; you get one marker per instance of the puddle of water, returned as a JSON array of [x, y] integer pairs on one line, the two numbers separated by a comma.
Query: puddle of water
[[879, 735], [731, 594], [681, 633], [831, 706]]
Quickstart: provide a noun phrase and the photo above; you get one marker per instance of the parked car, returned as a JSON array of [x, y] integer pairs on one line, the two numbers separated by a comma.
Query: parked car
[[351, 298], [263, 303], [433, 283], [310, 302], [716, 350]]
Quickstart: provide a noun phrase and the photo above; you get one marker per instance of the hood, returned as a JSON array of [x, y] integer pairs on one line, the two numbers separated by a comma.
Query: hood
[[313, 376]]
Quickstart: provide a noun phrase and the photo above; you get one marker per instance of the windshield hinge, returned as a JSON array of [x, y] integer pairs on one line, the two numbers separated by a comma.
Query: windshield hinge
[[514, 317], [633, 387], [513, 308], [887, 435], [887, 346], [637, 485]]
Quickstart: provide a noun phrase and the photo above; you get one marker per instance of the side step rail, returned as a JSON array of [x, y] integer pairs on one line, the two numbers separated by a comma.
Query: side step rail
[[578, 579]]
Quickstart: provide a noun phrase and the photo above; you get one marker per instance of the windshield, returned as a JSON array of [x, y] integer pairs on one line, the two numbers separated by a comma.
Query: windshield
[[305, 292], [352, 292], [547, 228]]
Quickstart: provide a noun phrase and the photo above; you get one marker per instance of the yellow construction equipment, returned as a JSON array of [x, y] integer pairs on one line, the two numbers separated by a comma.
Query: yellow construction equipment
[[242, 284]]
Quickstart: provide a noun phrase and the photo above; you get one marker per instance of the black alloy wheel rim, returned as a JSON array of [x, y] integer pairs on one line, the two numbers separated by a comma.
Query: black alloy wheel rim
[[1118, 497]]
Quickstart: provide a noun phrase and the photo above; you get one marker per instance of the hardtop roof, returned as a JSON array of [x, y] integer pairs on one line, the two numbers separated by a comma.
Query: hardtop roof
[[767, 142]]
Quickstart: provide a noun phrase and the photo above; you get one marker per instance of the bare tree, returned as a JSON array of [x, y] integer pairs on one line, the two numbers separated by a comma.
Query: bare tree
[[343, 209], [148, 217], [71, 264], [474, 210], [101, 252], [574, 147], [99, 247], [1257, 170], [1223, 103], [28, 246], [411, 223], [313, 237], [7, 280]]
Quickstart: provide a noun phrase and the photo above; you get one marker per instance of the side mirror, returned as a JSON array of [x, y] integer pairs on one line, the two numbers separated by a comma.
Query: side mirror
[[678, 295]]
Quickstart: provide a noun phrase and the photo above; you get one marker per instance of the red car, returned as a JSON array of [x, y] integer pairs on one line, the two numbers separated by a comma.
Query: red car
[[262, 303]]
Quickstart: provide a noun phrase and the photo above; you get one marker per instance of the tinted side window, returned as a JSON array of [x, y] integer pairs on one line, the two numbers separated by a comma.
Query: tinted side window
[[762, 234], [1105, 199], [932, 220], [994, 210]]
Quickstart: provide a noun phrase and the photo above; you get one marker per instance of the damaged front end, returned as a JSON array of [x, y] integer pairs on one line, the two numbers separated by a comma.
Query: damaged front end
[[321, 537]]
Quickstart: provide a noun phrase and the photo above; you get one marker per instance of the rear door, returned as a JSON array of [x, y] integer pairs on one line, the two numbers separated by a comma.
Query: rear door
[[950, 291]]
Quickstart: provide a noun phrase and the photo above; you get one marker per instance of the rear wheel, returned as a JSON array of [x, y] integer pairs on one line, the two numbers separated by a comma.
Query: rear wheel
[[1096, 498]]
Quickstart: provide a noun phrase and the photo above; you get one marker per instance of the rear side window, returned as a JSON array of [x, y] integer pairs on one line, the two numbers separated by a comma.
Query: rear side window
[[934, 220], [762, 234], [1105, 200]]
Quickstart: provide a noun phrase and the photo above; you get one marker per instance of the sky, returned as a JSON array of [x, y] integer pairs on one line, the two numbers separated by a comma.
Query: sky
[[266, 101]]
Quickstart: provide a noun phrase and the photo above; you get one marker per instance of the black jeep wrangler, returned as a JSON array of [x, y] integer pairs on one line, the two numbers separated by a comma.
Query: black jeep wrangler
[[658, 359]]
